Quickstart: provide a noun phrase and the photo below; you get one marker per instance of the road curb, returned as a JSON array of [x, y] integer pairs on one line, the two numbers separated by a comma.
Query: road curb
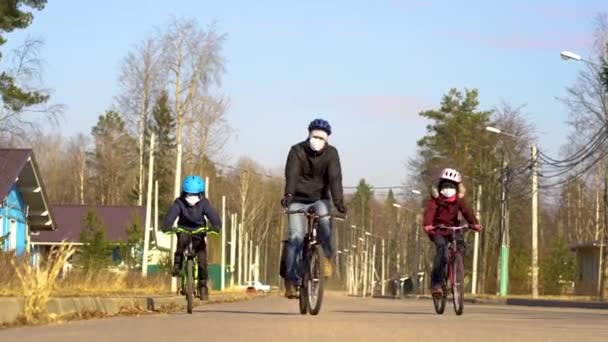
[[11, 308]]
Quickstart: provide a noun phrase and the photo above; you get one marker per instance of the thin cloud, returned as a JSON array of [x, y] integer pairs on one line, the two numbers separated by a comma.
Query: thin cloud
[[541, 41], [569, 12], [391, 107]]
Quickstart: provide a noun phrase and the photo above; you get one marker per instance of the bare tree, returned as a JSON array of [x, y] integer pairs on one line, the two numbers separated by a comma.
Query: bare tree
[[76, 150], [18, 117], [194, 63], [141, 80]]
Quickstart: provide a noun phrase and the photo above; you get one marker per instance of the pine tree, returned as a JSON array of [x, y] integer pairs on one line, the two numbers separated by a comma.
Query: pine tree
[[13, 17], [114, 159], [163, 126], [131, 249], [96, 249]]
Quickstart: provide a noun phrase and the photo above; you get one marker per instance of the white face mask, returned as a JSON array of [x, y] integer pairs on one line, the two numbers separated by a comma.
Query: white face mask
[[316, 144], [317, 140], [192, 199], [448, 192]]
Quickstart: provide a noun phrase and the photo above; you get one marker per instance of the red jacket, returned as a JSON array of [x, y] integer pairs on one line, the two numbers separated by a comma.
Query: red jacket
[[441, 212]]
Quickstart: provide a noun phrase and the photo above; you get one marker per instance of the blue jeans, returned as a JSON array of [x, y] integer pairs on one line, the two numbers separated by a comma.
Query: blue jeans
[[295, 237]]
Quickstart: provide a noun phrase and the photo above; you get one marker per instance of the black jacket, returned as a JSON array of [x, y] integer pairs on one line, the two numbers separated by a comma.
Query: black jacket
[[311, 175], [191, 218]]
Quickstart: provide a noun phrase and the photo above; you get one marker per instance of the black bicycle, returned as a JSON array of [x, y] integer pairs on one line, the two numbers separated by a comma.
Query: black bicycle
[[454, 273], [311, 288]]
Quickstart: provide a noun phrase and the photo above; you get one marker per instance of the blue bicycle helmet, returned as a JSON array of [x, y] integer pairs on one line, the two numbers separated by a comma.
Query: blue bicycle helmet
[[320, 124], [193, 185]]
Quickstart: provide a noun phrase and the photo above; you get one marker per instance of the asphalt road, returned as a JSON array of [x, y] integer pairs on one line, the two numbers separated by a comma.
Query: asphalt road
[[341, 319]]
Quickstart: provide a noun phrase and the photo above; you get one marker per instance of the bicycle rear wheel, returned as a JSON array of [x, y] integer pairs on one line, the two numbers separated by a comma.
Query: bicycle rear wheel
[[190, 285], [315, 282], [458, 284]]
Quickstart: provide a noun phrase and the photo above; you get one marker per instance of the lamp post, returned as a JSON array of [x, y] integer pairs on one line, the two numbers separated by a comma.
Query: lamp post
[[504, 265], [569, 55]]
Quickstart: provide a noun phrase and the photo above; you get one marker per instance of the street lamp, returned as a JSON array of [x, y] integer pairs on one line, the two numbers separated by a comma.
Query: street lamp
[[504, 265], [566, 55], [569, 55], [416, 192], [498, 131]]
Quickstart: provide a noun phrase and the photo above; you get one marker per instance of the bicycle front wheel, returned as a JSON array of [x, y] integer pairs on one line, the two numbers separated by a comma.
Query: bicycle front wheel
[[458, 284], [190, 285], [315, 282]]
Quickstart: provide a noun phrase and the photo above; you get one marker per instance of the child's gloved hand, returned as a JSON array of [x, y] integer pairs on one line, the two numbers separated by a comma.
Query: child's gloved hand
[[476, 227], [428, 229]]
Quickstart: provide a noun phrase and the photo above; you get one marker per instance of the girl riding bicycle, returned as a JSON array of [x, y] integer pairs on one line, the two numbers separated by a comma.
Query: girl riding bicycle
[[192, 210], [446, 202]]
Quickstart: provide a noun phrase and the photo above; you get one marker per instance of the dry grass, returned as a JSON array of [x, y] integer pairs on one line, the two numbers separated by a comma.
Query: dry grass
[[106, 284], [77, 283], [37, 282], [9, 284]]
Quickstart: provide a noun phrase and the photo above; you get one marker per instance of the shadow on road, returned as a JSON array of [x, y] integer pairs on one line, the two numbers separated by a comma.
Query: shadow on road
[[383, 312], [240, 312]]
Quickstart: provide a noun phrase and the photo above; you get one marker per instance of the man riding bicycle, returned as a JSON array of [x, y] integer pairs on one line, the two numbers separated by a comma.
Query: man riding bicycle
[[191, 209], [446, 202], [312, 171]]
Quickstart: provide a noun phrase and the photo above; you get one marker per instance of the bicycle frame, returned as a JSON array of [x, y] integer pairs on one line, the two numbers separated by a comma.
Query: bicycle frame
[[452, 250], [189, 253]]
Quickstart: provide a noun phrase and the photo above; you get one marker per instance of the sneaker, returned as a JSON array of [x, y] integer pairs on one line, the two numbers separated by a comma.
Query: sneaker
[[177, 269], [327, 268], [290, 290], [204, 292], [437, 290]]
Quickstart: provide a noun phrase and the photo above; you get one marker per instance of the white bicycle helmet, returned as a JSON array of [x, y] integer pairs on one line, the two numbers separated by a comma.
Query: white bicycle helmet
[[451, 175]]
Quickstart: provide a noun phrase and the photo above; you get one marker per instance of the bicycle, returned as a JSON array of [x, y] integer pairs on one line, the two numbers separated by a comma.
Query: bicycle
[[311, 288], [190, 267], [454, 275]]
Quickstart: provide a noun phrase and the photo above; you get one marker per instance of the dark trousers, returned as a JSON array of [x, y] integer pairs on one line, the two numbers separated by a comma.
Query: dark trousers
[[200, 249], [441, 258]]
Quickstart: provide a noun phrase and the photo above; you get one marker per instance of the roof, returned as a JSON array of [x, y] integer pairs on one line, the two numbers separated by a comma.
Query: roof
[[18, 166], [587, 244], [69, 220]]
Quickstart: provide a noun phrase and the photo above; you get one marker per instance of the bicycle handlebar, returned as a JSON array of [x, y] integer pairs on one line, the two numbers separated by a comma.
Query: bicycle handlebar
[[193, 232], [340, 217], [442, 227]]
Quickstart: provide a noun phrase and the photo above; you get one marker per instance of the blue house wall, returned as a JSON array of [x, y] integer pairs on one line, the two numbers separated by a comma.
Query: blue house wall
[[13, 208]]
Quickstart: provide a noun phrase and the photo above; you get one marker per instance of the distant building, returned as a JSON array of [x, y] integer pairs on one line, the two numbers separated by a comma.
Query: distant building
[[587, 260], [69, 220], [24, 208]]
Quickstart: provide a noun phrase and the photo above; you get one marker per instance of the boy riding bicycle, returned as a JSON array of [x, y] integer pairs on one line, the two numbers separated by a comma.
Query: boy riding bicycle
[[446, 202], [192, 209]]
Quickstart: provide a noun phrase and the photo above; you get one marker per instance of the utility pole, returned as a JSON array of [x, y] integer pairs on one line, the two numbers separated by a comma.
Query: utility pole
[[600, 275], [148, 224], [504, 248], [176, 192], [383, 272], [232, 249], [476, 246], [155, 207], [240, 254], [534, 221], [223, 258]]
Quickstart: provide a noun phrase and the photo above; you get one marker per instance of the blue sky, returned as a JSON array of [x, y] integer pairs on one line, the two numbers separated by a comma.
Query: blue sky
[[367, 66]]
